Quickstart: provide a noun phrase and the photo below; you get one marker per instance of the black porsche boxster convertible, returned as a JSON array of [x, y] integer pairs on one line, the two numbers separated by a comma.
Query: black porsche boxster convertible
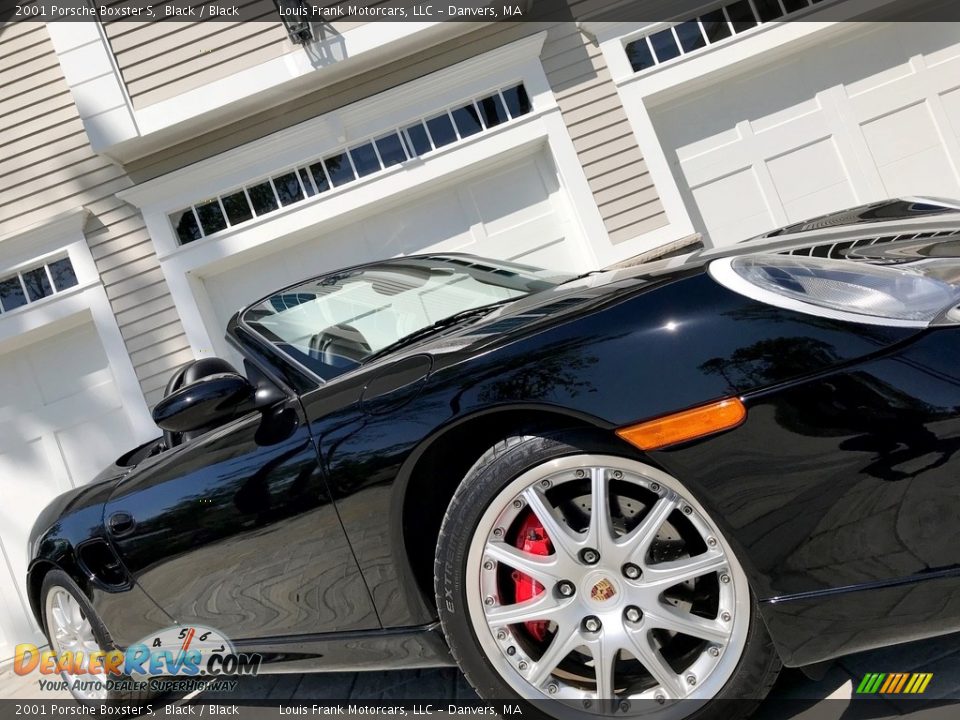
[[635, 490]]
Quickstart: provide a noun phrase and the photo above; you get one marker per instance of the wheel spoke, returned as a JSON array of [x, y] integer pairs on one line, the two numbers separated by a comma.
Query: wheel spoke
[[638, 540], [674, 572], [600, 533], [540, 567], [674, 620], [653, 661], [559, 533], [604, 653], [76, 617], [542, 607], [61, 626], [564, 641]]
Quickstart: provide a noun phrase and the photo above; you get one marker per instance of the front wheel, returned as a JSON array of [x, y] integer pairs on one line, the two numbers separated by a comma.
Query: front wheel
[[74, 630], [565, 573]]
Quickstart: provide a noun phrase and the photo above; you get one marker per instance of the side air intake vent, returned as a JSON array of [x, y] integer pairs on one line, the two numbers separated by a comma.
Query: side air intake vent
[[99, 560]]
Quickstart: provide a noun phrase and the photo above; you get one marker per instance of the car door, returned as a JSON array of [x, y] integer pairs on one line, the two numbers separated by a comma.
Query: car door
[[358, 422], [236, 530]]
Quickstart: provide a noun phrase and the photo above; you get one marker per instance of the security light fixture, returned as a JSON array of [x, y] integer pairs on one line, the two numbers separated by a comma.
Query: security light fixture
[[295, 16]]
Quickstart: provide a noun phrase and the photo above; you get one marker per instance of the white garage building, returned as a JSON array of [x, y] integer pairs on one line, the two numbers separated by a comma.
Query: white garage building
[[180, 187]]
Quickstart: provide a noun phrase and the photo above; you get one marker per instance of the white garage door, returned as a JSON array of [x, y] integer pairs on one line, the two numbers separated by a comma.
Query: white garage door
[[61, 422], [516, 211], [869, 114]]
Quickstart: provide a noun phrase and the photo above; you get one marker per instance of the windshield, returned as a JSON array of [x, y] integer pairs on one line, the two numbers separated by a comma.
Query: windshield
[[333, 323]]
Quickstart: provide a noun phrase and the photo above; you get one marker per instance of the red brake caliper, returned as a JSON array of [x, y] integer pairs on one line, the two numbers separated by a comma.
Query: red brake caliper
[[533, 539]]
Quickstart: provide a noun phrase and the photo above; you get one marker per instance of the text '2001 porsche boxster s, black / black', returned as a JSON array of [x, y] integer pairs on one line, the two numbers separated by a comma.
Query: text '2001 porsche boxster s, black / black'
[[638, 490]]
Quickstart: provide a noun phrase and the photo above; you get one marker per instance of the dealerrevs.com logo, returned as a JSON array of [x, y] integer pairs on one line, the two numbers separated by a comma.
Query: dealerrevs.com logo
[[176, 659]]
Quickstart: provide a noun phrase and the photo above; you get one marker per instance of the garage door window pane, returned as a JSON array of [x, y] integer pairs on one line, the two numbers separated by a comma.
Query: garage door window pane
[[793, 6], [319, 177], [185, 223], [664, 45], [307, 184], [468, 120], [418, 141], [690, 36], [211, 217], [768, 9], [338, 167], [37, 284], [639, 55], [741, 16], [263, 199], [441, 130], [237, 207], [364, 159], [288, 188], [493, 111], [11, 294], [62, 273], [391, 150], [518, 103], [715, 26]]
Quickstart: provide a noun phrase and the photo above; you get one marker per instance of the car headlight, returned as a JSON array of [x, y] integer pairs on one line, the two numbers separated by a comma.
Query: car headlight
[[841, 289]]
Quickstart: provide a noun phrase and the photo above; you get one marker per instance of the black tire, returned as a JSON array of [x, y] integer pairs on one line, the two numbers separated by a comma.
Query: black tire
[[58, 579], [748, 685]]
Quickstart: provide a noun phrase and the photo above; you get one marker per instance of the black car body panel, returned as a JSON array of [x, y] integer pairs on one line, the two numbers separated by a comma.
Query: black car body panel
[[309, 525]]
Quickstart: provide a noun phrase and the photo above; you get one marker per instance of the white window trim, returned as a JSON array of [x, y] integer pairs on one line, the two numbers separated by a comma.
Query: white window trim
[[116, 128], [639, 91], [63, 234], [184, 266]]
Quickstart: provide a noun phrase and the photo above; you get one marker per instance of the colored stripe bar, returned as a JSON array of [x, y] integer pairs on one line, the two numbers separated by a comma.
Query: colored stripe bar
[[865, 683], [904, 677], [915, 681], [875, 685], [926, 681]]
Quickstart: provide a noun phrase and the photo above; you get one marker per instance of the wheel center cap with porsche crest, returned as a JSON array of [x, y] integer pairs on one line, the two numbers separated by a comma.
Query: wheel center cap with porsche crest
[[602, 590]]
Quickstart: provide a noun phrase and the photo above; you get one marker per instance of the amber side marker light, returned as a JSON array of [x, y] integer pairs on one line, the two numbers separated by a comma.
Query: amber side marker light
[[685, 425]]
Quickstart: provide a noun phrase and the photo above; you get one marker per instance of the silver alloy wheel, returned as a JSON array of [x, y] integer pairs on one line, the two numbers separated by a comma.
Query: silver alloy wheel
[[617, 614], [70, 631]]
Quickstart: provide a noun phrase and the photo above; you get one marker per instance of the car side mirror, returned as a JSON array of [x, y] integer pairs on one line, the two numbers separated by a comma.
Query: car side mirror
[[206, 403]]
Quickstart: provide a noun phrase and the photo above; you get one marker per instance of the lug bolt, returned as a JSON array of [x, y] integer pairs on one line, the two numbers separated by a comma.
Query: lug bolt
[[725, 578], [687, 510], [590, 556], [552, 688], [498, 532], [591, 624], [624, 706], [660, 698], [633, 614], [714, 652], [655, 487], [565, 588], [488, 565], [617, 474], [501, 634], [691, 679], [725, 616], [545, 484], [522, 665], [517, 504], [580, 473], [488, 600], [587, 703], [631, 571], [511, 651], [712, 542]]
